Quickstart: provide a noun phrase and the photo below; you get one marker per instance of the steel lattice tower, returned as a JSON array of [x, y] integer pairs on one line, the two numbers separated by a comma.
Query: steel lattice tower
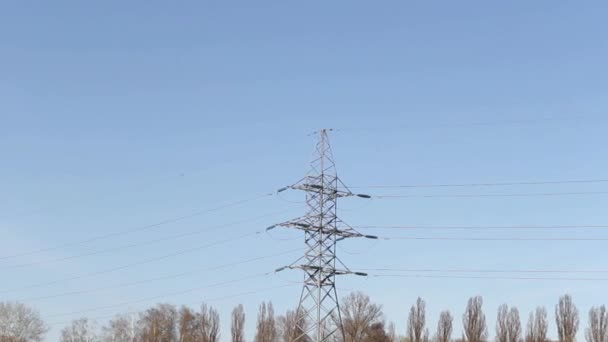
[[318, 313]]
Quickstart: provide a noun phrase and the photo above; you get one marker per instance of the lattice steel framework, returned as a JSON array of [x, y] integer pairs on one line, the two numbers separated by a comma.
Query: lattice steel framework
[[319, 318]]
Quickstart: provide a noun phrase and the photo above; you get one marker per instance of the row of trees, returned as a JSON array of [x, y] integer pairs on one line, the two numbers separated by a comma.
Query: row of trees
[[363, 321]]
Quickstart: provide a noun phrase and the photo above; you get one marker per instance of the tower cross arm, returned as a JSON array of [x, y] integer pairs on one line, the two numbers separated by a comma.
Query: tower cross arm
[[325, 190], [341, 233], [328, 270]]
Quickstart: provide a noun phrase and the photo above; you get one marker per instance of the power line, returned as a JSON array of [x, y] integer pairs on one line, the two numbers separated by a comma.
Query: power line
[[483, 184], [541, 194], [138, 244], [242, 279], [469, 270], [443, 238], [181, 174], [138, 229], [138, 263], [456, 227], [441, 125], [240, 294], [259, 275], [484, 277], [149, 280]]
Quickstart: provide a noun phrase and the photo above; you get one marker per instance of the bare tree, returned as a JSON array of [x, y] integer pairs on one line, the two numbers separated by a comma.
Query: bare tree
[[119, 329], [376, 333], [293, 326], [208, 324], [266, 329], [287, 326], [508, 325], [237, 328], [203, 326], [566, 317], [444, 327], [598, 325], [20, 323], [392, 334], [187, 325], [537, 326], [502, 330], [158, 324], [358, 315], [530, 332], [416, 322], [81, 330], [474, 321], [514, 325]]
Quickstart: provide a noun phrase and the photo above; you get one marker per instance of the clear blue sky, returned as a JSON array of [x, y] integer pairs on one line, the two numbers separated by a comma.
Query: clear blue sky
[[117, 114]]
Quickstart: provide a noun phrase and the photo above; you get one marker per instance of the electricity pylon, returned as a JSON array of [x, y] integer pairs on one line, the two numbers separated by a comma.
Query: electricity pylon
[[318, 314]]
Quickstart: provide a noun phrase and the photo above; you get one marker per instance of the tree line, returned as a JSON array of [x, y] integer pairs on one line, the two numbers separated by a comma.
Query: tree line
[[362, 321]]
